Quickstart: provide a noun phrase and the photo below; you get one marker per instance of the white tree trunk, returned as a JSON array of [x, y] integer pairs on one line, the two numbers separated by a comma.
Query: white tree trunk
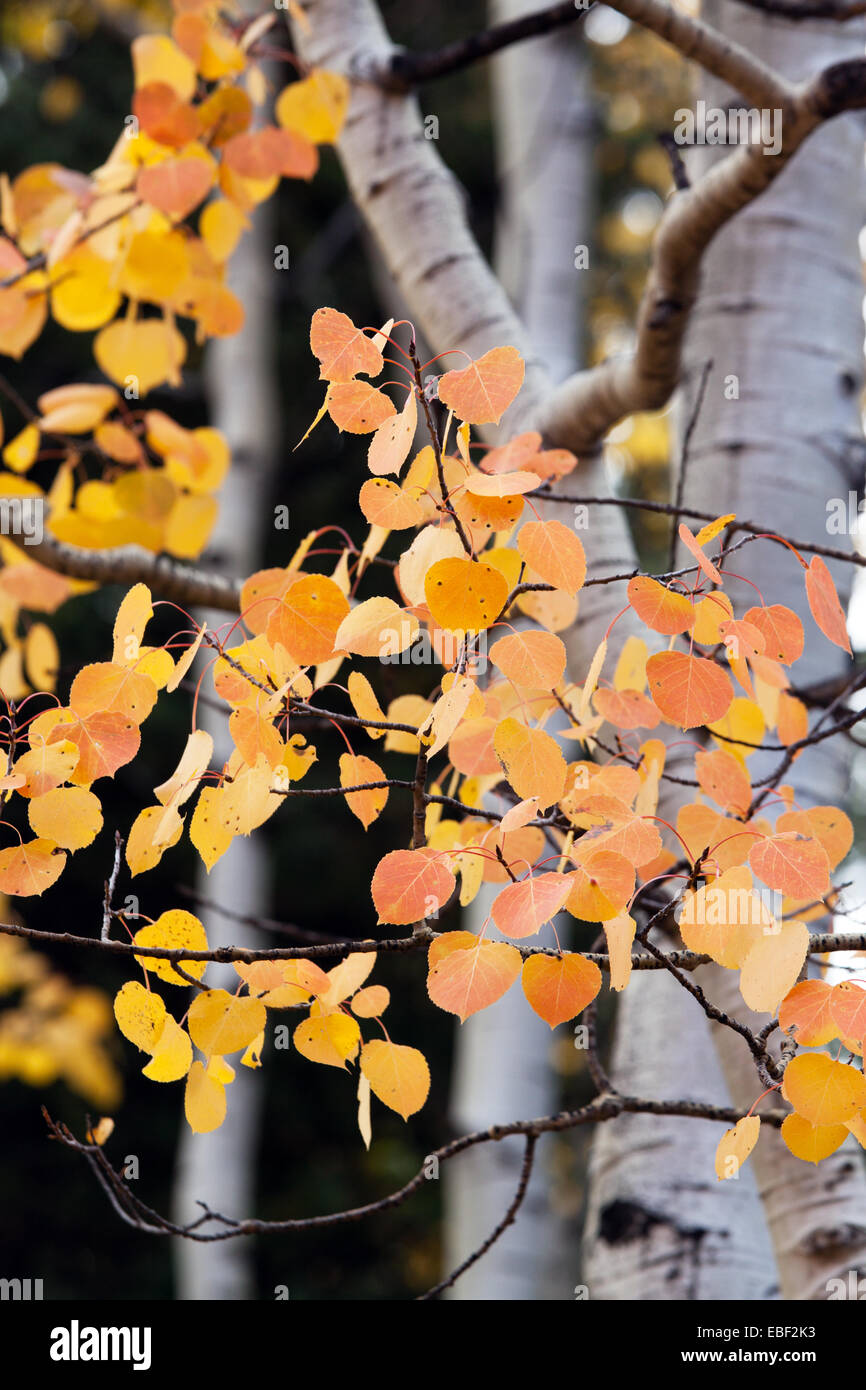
[[780, 310], [219, 1168]]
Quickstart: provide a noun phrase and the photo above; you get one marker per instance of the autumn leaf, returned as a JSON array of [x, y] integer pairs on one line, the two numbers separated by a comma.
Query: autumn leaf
[[522, 908], [824, 1092], [825, 606], [735, 1146], [664, 610], [481, 393], [411, 884], [342, 349], [465, 595], [689, 690], [470, 977], [355, 770], [220, 1022], [531, 760], [560, 987], [26, 870], [554, 553], [805, 1013], [812, 1142], [398, 1076]]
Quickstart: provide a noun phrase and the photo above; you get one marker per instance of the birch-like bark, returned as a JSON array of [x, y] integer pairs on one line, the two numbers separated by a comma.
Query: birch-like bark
[[219, 1168], [779, 315]]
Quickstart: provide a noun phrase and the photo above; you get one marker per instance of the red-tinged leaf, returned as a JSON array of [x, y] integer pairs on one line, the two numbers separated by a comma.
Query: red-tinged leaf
[[471, 978], [825, 606], [782, 630], [792, 863], [516, 454], [411, 884], [105, 742], [27, 870], [689, 690], [481, 393], [560, 987], [626, 709], [471, 748], [175, 186], [792, 719], [554, 553], [522, 908], [690, 542], [848, 1010], [163, 115], [805, 1013], [663, 610], [357, 407]]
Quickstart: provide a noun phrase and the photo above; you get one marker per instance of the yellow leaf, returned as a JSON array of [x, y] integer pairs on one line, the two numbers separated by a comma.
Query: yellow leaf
[[20, 453], [399, 1076], [812, 1142], [142, 852], [220, 1022], [174, 930], [172, 1056], [70, 816], [331, 1039], [204, 1101], [140, 1015], [824, 1092], [316, 106], [773, 965], [735, 1146]]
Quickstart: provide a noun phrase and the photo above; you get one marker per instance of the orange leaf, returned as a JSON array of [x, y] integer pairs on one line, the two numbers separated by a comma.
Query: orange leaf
[[722, 777], [307, 618], [105, 742], [384, 503], [663, 610], [691, 544], [522, 908], [464, 595], [342, 349], [601, 886], [805, 1012], [782, 630], [358, 407], [812, 1142], [26, 870], [626, 709], [848, 1010], [689, 690], [355, 769], [411, 884], [824, 604], [481, 393], [554, 553], [793, 863], [560, 987], [175, 186], [471, 978], [824, 1092], [533, 659]]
